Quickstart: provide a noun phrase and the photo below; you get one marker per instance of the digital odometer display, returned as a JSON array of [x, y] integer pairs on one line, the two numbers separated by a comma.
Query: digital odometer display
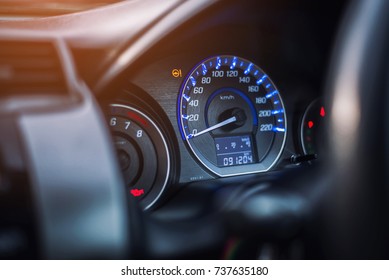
[[233, 150], [231, 116]]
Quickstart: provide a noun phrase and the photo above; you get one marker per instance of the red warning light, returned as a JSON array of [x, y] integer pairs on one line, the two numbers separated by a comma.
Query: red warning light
[[322, 111], [137, 192], [310, 124]]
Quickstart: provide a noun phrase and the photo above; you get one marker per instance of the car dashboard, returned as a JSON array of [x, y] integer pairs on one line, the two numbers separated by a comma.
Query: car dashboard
[[201, 100]]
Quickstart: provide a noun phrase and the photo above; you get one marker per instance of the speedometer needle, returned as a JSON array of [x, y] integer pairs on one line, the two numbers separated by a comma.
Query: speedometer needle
[[216, 126]]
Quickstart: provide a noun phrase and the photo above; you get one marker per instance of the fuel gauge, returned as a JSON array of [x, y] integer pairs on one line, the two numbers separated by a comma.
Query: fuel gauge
[[311, 127]]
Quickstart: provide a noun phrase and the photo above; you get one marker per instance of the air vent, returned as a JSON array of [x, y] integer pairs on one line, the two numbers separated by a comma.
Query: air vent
[[30, 68]]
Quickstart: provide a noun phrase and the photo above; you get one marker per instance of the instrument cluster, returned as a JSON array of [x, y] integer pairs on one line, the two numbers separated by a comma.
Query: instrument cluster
[[214, 102], [223, 117]]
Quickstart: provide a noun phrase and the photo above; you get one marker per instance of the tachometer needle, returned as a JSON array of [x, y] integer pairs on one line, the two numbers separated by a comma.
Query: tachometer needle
[[216, 126]]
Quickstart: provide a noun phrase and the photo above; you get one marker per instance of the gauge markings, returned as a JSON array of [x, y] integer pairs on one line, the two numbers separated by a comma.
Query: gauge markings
[[270, 95], [205, 70], [261, 80], [193, 81]]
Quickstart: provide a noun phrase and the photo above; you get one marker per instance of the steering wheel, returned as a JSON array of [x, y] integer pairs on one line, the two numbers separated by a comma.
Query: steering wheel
[[357, 214], [80, 210]]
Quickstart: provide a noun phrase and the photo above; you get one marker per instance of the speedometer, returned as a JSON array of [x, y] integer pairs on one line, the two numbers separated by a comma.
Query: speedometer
[[231, 116]]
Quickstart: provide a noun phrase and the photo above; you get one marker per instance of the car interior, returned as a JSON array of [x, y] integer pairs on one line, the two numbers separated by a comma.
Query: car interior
[[194, 129]]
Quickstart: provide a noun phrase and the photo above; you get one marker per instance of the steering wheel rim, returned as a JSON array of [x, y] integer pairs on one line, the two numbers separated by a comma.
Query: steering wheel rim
[[357, 94]]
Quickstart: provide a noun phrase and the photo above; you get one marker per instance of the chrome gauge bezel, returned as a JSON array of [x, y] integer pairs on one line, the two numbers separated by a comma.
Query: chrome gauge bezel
[[249, 69]]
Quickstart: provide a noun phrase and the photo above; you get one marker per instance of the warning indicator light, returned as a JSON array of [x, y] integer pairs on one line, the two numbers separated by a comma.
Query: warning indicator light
[[322, 111], [176, 73], [137, 192]]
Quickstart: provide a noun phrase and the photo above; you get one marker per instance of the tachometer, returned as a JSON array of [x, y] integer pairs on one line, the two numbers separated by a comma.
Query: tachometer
[[232, 116], [142, 153]]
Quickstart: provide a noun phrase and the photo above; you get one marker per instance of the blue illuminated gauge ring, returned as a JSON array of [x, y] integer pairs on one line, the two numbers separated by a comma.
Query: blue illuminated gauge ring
[[231, 116]]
